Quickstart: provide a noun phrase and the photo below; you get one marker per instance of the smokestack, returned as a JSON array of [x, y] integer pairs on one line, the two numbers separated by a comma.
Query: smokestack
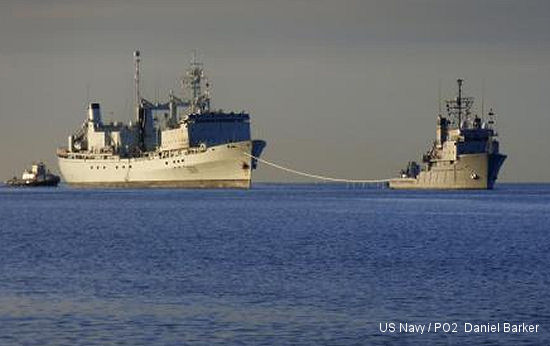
[[94, 113]]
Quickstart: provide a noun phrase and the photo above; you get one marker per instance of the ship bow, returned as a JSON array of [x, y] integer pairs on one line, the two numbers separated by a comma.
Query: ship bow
[[495, 162]]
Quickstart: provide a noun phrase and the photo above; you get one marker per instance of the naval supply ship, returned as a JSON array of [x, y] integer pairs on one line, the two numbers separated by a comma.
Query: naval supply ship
[[180, 143], [464, 155]]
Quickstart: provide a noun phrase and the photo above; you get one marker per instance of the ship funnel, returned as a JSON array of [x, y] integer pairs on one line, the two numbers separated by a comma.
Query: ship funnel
[[94, 113]]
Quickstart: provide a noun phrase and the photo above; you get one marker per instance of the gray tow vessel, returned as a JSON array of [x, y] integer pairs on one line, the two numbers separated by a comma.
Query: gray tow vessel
[[464, 155]]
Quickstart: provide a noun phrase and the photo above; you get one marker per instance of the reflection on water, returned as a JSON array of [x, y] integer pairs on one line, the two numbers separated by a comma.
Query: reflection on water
[[194, 319]]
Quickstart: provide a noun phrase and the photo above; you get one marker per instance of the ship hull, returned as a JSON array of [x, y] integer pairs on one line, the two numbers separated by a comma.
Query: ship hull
[[222, 166], [33, 183], [190, 184], [469, 172]]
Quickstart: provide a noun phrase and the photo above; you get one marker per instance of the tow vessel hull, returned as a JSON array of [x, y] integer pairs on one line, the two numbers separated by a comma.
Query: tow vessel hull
[[470, 171]]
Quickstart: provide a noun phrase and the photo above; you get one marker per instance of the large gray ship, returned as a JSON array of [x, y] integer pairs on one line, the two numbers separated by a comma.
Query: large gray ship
[[464, 155], [180, 143]]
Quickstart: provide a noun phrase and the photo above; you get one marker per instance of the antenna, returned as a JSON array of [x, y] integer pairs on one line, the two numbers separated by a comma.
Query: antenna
[[482, 98], [194, 58], [439, 95], [87, 94], [196, 77], [459, 101], [156, 90], [137, 59]]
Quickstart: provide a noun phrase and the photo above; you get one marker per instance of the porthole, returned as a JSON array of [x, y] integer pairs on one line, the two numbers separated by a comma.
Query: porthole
[[166, 163]]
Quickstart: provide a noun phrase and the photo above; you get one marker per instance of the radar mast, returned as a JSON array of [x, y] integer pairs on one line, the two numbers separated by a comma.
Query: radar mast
[[459, 108], [137, 59], [195, 80]]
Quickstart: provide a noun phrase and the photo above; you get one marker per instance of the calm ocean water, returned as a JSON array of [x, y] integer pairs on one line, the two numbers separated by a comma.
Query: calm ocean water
[[279, 264]]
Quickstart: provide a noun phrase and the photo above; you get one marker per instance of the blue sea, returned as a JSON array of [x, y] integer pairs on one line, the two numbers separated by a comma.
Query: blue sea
[[280, 264]]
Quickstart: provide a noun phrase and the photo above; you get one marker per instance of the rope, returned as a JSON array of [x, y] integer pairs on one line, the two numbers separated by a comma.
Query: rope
[[316, 176]]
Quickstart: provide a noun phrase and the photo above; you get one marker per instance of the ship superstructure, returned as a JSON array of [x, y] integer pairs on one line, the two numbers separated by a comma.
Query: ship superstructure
[[179, 143], [464, 155]]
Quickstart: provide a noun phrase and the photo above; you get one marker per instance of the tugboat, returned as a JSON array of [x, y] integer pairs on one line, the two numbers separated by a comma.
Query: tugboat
[[464, 155], [38, 175]]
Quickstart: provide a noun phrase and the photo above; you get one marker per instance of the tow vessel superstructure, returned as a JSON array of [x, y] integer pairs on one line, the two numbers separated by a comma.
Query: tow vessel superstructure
[[464, 155]]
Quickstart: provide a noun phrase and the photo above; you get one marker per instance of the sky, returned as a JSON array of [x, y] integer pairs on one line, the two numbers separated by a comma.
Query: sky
[[347, 89]]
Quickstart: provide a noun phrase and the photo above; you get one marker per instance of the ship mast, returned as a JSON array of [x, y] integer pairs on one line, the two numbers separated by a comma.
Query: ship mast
[[140, 112], [439, 96], [483, 99], [196, 74], [199, 99], [459, 108], [137, 60], [459, 102]]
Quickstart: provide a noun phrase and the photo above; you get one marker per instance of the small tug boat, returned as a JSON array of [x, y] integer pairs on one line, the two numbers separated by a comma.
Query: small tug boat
[[38, 175]]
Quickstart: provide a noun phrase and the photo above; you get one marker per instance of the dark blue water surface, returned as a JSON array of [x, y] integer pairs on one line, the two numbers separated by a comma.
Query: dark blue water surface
[[278, 264]]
